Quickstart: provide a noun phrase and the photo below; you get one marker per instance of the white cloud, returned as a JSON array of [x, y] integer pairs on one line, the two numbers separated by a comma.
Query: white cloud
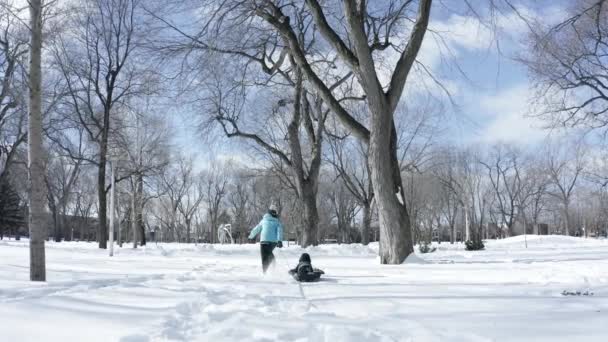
[[464, 31], [507, 111]]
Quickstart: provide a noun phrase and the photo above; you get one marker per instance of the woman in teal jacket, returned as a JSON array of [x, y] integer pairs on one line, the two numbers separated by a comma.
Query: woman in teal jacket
[[271, 236]]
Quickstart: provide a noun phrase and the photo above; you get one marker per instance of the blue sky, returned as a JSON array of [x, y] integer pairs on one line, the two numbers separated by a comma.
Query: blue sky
[[490, 90], [492, 97]]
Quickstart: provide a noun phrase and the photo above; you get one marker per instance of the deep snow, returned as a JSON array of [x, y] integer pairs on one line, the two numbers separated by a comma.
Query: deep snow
[[171, 292]]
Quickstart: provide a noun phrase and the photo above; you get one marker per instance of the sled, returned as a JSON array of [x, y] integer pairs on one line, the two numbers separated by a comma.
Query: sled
[[313, 276]]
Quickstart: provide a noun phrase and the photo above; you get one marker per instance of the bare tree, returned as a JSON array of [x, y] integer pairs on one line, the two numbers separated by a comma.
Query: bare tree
[[568, 66], [350, 161], [61, 177], [298, 112], [479, 196], [450, 169], [215, 187], [462, 175], [504, 171], [141, 138], [365, 34], [345, 207], [565, 165], [450, 202], [84, 202], [532, 199], [189, 205], [176, 183], [241, 198], [424, 201], [95, 56], [36, 152], [356, 45], [13, 117], [13, 88]]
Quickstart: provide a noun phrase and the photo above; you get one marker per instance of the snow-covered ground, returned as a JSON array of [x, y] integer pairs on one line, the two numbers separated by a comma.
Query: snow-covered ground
[[173, 292]]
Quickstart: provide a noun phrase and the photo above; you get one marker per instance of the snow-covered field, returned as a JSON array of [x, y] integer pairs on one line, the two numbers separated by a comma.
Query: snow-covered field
[[173, 292]]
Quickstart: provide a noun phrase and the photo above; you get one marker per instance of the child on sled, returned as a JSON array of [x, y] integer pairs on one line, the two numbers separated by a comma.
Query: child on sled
[[304, 271]]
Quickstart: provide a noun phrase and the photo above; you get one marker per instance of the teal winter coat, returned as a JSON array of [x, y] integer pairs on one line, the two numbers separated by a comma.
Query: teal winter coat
[[271, 228]]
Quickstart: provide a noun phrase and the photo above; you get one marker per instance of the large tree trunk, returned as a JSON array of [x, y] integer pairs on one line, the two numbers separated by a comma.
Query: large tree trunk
[[66, 232], [101, 178], [214, 227], [142, 232], [310, 230], [452, 222], [57, 225], [341, 231], [395, 233], [366, 223], [142, 235], [35, 152], [140, 209], [307, 187], [567, 217], [452, 233], [134, 228], [188, 227], [54, 214], [102, 232], [511, 224]]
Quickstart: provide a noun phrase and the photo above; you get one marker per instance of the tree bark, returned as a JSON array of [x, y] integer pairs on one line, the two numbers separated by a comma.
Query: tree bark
[[567, 216], [57, 225], [118, 221], [452, 233], [311, 216], [395, 235], [134, 218], [366, 223], [142, 235], [102, 231], [467, 224], [188, 227], [395, 231], [52, 204], [101, 177], [65, 232], [35, 155], [214, 219], [140, 209]]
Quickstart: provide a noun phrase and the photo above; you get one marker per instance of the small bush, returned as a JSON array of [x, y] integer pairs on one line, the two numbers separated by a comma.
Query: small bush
[[474, 245], [425, 247], [577, 293]]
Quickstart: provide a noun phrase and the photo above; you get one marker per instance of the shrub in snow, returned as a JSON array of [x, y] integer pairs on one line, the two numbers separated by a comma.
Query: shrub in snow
[[474, 245], [577, 293], [425, 247]]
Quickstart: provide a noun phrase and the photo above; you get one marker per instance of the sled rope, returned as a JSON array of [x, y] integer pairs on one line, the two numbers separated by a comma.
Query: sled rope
[[310, 303]]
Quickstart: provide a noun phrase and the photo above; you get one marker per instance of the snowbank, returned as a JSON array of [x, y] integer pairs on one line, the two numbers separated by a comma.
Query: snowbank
[[548, 240], [176, 292]]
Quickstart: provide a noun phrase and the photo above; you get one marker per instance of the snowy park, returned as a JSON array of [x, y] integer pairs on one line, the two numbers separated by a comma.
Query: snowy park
[[555, 290], [303, 170]]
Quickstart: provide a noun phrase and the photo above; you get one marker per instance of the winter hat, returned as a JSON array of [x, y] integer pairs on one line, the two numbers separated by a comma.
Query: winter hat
[[272, 210], [305, 258]]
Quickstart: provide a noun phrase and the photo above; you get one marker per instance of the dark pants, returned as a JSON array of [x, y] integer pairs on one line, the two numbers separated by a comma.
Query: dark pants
[[267, 256]]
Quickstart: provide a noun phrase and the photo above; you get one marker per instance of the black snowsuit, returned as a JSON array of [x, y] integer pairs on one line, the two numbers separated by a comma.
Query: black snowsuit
[[304, 271], [266, 249]]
